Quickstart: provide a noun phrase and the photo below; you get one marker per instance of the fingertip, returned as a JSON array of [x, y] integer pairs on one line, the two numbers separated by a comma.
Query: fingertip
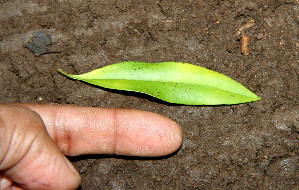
[[51, 171], [5, 182], [169, 137], [76, 179], [175, 137], [147, 134]]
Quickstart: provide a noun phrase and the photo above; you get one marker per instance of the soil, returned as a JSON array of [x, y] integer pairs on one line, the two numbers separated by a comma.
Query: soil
[[246, 146]]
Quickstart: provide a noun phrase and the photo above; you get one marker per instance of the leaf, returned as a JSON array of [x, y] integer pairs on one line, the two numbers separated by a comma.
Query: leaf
[[173, 82]]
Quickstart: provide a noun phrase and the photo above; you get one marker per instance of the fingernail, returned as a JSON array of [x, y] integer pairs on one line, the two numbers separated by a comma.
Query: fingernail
[[5, 183], [70, 165]]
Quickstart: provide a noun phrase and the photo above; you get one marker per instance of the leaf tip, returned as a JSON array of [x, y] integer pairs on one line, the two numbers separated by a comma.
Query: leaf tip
[[256, 97], [63, 73]]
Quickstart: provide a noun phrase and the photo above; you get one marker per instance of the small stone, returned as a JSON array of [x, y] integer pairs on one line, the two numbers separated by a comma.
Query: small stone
[[39, 43], [260, 36]]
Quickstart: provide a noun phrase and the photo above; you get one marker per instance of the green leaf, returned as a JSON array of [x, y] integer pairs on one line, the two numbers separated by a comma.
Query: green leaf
[[173, 82]]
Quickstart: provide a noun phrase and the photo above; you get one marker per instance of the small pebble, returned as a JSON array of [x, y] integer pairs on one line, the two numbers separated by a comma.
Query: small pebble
[[39, 43], [260, 36]]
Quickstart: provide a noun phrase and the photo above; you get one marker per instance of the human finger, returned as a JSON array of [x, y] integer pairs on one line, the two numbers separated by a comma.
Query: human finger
[[87, 130], [28, 156]]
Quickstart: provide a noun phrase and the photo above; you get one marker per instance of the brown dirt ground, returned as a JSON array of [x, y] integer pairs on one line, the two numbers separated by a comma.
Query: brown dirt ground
[[247, 146]]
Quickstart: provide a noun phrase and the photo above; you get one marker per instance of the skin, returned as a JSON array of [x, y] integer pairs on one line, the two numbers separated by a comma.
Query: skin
[[34, 139]]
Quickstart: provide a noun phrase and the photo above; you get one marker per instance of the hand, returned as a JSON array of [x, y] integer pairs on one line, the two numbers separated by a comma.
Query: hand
[[34, 137]]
